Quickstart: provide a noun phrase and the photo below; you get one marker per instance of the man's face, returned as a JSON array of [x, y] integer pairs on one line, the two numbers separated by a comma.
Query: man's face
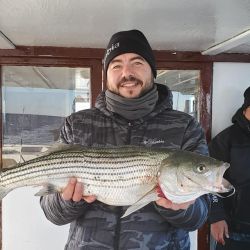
[[246, 112], [129, 75]]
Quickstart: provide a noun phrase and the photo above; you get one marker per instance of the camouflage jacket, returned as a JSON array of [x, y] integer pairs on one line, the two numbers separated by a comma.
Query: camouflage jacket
[[98, 226]]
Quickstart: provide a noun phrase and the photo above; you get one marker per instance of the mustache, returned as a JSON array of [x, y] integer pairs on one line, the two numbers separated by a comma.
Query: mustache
[[129, 79]]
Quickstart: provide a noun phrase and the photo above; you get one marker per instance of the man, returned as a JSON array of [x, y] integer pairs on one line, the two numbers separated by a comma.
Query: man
[[132, 111], [230, 217]]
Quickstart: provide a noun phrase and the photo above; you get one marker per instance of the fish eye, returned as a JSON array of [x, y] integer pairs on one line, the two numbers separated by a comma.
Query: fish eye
[[201, 168]]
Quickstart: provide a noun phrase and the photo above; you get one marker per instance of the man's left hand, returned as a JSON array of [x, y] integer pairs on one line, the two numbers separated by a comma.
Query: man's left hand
[[164, 202]]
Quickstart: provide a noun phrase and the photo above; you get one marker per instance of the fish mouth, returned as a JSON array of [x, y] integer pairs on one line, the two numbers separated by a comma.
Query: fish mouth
[[222, 185]]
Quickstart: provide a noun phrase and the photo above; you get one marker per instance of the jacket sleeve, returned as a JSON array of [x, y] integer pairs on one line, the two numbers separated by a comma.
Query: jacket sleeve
[[219, 148], [217, 212], [190, 219], [66, 133], [61, 212], [194, 138]]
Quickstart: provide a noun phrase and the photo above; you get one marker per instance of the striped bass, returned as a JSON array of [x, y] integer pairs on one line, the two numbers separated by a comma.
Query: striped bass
[[121, 176]]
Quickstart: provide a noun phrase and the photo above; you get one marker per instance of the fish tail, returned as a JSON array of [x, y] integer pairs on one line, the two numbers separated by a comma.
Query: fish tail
[[3, 191]]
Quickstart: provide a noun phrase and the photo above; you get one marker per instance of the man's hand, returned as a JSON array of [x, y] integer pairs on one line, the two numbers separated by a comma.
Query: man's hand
[[166, 203], [219, 231], [74, 191]]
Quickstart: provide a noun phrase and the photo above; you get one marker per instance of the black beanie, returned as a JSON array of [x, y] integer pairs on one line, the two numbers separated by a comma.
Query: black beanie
[[131, 41], [246, 98]]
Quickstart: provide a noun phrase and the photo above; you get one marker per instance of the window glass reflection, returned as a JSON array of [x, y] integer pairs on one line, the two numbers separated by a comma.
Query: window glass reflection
[[184, 85], [35, 102]]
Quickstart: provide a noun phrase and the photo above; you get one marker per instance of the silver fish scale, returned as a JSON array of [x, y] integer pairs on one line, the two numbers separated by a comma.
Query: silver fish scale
[[106, 172]]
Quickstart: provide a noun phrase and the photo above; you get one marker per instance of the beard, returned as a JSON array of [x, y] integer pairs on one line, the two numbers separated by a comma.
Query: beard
[[145, 87]]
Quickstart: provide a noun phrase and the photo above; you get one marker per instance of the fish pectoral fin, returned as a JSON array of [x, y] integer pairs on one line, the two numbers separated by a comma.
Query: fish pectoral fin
[[47, 189], [145, 200]]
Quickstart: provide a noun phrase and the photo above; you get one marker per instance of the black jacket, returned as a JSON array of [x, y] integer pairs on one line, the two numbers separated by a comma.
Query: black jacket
[[233, 145]]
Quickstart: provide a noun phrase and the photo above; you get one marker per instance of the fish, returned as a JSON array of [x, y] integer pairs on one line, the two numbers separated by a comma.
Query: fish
[[121, 176]]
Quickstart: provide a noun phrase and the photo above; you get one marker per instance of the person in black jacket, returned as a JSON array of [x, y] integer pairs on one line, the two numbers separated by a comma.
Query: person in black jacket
[[230, 217], [134, 110]]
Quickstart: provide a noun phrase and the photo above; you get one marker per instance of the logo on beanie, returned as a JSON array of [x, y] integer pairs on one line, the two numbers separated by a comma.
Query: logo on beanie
[[109, 50]]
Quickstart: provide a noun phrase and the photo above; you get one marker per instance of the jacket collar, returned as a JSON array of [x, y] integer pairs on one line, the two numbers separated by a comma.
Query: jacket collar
[[165, 101]]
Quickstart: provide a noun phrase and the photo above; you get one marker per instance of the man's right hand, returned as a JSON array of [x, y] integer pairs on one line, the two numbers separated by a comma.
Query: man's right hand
[[74, 191], [219, 231]]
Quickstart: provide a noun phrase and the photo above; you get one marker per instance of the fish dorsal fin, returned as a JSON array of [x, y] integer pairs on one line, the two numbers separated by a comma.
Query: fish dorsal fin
[[61, 147]]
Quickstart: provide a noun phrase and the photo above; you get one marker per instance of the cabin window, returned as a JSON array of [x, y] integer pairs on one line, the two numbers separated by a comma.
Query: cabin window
[[35, 102], [184, 85]]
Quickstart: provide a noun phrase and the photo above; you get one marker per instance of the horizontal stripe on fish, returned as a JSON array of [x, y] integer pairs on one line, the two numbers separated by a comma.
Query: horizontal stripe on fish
[[90, 168], [109, 163]]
